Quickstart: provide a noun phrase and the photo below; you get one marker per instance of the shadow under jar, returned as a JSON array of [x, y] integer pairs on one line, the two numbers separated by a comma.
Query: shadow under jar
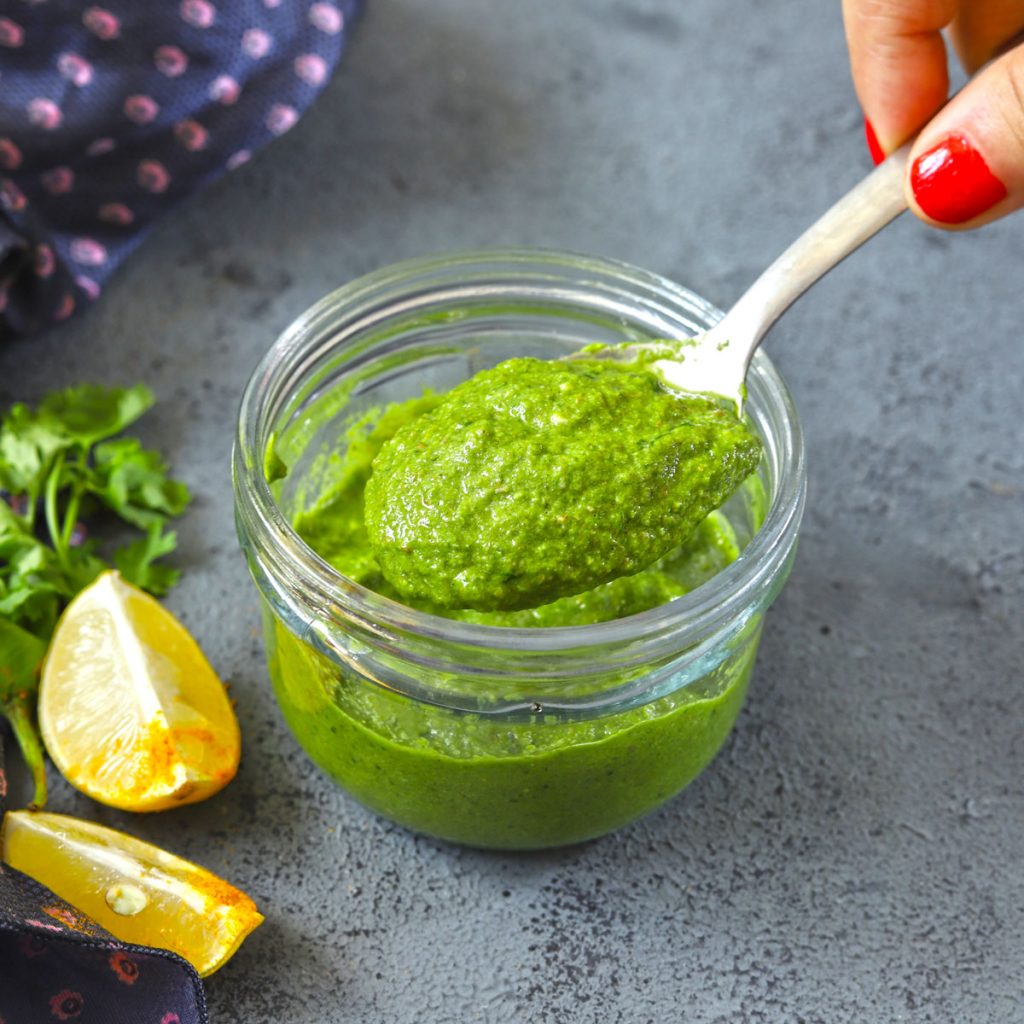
[[513, 738]]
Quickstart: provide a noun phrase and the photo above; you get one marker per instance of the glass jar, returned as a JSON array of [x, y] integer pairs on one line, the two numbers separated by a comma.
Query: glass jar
[[494, 737]]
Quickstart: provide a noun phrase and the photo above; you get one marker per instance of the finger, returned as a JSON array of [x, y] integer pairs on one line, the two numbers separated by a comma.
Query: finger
[[967, 166], [898, 59], [981, 29]]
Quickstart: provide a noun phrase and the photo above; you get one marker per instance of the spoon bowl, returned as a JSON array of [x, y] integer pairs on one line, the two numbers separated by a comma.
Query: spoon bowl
[[716, 361]]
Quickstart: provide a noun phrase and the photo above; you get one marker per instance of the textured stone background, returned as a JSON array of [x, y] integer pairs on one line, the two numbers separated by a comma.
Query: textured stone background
[[856, 853]]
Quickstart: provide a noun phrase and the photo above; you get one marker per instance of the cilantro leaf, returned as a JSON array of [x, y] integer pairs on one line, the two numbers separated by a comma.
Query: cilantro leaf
[[32, 589], [136, 561], [89, 413], [31, 440], [28, 448], [21, 654], [132, 481]]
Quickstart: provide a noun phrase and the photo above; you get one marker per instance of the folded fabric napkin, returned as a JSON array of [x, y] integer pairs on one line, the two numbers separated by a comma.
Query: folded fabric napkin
[[112, 113]]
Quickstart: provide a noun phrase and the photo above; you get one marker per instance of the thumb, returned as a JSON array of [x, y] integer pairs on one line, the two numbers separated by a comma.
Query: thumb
[[967, 165]]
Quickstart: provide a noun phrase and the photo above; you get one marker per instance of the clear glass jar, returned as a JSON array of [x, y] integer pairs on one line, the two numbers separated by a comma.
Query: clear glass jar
[[488, 736]]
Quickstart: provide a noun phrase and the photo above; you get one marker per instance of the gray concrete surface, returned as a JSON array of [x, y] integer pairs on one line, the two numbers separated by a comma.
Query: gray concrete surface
[[856, 853]]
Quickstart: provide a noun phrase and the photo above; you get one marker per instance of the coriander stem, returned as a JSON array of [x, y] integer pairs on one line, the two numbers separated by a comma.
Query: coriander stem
[[19, 714], [52, 517], [70, 517]]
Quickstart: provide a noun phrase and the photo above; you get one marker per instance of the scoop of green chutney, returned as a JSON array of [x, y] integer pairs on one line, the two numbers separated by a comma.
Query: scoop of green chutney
[[537, 480]]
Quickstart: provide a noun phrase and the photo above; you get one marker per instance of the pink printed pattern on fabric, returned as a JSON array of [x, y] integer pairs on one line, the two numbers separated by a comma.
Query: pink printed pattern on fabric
[[100, 146], [191, 134], [44, 113], [77, 70], [224, 89], [58, 181], [281, 118], [153, 176], [89, 287], [11, 33], [11, 197], [65, 307], [327, 18], [170, 61], [141, 109], [10, 155], [101, 23], [126, 969], [66, 1005], [256, 43], [198, 13], [43, 260], [88, 252], [311, 68]]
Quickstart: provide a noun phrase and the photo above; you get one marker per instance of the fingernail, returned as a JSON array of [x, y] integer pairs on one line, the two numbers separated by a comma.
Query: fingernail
[[876, 151], [952, 183]]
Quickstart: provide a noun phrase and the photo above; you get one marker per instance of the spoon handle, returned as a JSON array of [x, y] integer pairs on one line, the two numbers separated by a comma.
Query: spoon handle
[[863, 211]]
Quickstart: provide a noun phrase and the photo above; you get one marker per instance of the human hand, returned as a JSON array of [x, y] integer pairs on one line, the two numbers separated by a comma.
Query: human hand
[[967, 165]]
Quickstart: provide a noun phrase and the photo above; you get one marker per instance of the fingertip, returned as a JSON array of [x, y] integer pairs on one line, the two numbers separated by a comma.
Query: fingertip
[[899, 64], [967, 167], [950, 184]]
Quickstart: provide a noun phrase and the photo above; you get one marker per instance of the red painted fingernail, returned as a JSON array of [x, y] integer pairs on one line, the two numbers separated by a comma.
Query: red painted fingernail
[[952, 183], [876, 151]]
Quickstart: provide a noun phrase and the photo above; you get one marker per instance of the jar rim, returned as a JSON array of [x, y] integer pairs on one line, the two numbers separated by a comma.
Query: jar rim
[[293, 566]]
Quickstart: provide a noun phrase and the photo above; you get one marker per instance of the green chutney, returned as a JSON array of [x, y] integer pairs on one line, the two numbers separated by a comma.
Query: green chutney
[[536, 480], [539, 779], [492, 782]]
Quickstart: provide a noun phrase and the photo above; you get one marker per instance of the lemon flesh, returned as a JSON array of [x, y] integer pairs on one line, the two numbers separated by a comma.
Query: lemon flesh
[[130, 710], [138, 892]]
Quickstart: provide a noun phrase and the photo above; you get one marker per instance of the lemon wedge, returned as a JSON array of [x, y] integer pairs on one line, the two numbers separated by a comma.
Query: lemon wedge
[[138, 892], [129, 708]]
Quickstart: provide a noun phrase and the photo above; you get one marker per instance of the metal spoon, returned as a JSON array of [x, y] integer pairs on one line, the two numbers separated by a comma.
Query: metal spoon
[[716, 362]]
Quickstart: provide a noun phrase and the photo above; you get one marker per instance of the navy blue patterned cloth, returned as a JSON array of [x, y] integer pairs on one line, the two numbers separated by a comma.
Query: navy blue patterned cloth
[[113, 112], [58, 965]]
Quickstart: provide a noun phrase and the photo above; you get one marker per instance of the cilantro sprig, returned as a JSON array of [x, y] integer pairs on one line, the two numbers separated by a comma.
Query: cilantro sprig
[[61, 465]]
